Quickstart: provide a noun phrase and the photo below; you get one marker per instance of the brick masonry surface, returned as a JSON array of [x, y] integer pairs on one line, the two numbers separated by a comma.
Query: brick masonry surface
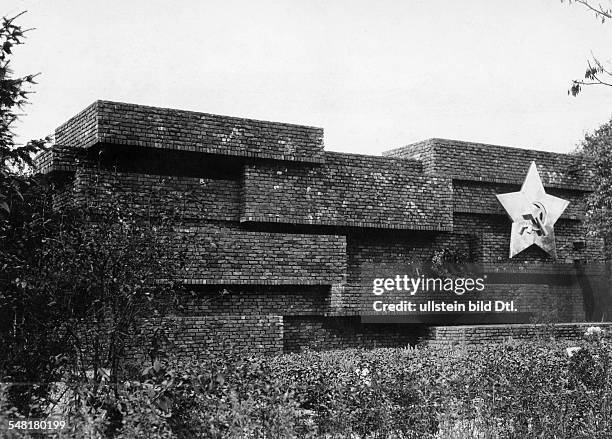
[[495, 164], [477, 197], [451, 336], [58, 160], [194, 337], [368, 251], [319, 333], [158, 195], [128, 124], [278, 233], [493, 233], [349, 190], [226, 254], [255, 300]]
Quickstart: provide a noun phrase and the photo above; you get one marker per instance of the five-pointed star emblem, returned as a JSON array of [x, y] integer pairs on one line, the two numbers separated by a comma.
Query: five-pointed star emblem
[[533, 213]]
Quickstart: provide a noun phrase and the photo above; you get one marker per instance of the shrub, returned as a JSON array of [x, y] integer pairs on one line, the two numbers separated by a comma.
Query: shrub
[[527, 390]]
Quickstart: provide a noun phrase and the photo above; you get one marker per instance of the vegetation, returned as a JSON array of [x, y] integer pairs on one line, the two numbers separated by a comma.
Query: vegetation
[[14, 92], [596, 149], [73, 282], [526, 390], [597, 73]]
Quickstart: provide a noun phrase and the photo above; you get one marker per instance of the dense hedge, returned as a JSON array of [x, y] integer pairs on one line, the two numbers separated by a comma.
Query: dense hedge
[[514, 390]]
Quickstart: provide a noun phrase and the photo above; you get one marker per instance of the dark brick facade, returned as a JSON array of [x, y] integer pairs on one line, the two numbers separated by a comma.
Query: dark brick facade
[[320, 333], [195, 337], [349, 190], [286, 229], [451, 336], [226, 254], [137, 125], [494, 164]]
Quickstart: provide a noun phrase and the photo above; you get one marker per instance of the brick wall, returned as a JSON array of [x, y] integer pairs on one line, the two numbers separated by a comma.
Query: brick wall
[[183, 198], [128, 124], [477, 197], [495, 164], [226, 254], [493, 233], [319, 333], [81, 131], [449, 336], [369, 254], [57, 159], [349, 190], [192, 338], [288, 300], [543, 302], [218, 250], [261, 211]]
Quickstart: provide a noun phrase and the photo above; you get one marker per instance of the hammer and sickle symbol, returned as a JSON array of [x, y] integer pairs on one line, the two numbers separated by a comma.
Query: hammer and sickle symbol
[[535, 220]]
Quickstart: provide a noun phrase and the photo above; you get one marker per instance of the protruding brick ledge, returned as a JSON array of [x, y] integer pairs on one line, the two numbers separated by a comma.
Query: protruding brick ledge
[[451, 336], [57, 159], [116, 123], [479, 162]]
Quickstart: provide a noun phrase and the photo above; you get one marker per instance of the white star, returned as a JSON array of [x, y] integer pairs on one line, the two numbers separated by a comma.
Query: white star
[[533, 213]]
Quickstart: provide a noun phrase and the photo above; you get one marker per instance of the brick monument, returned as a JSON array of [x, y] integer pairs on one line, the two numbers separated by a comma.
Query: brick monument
[[286, 228]]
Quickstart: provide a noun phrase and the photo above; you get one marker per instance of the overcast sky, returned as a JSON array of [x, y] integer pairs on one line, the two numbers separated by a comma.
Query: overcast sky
[[374, 74]]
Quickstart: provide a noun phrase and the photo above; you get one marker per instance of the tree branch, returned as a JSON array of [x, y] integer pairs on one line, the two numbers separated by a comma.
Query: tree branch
[[600, 10], [607, 13], [599, 82]]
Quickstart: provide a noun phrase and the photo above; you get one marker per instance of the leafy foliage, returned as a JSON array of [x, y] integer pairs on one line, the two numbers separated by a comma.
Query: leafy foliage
[[14, 92], [596, 150], [518, 389], [74, 284]]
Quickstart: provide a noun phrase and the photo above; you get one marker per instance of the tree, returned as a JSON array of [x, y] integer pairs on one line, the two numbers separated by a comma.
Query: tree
[[15, 159], [596, 73], [73, 282], [596, 149], [14, 92], [75, 285]]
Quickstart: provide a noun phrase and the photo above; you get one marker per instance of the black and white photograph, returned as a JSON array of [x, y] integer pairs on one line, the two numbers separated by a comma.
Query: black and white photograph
[[287, 219]]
